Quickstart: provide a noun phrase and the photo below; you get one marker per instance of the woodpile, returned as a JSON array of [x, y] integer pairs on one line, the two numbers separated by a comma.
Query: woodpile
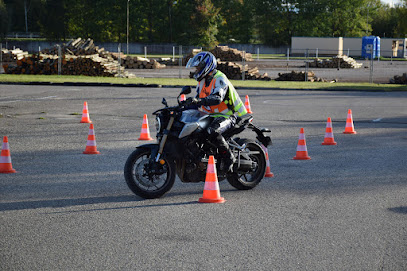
[[77, 47], [230, 54], [234, 71], [89, 65], [402, 80], [167, 61], [12, 55], [299, 76], [136, 62], [342, 62], [78, 57]]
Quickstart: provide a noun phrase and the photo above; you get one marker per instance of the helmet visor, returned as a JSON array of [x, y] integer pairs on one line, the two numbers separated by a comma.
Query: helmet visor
[[193, 62]]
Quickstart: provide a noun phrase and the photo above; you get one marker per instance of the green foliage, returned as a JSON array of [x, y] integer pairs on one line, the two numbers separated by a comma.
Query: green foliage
[[202, 22], [3, 18]]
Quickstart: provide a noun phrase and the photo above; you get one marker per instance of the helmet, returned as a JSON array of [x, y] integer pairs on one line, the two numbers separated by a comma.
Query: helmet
[[205, 63]]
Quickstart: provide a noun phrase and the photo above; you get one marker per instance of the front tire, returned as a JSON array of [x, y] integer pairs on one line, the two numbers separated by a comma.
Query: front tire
[[141, 179], [248, 180]]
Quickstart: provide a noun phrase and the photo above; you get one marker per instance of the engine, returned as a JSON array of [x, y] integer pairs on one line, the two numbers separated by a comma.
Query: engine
[[192, 167]]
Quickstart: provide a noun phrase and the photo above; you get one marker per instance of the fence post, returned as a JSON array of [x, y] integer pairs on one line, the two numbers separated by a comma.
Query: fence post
[[173, 53], [180, 60], [258, 53], [243, 64], [119, 59], [316, 53], [371, 67], [59, 59], [145, 51], [306, 65], [288, 56], [1, 55]]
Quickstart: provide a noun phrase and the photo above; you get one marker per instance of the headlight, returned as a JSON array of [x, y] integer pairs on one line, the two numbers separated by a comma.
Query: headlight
[[157, 124]]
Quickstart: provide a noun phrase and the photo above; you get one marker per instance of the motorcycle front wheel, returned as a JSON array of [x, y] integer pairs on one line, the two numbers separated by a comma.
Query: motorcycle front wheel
[[148, 179], [248, 180]]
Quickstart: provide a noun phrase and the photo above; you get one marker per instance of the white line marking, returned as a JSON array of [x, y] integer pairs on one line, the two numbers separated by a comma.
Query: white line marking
[[377, 120]]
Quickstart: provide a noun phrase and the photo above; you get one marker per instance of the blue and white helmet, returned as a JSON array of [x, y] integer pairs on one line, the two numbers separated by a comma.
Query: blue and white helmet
[[205, 63]]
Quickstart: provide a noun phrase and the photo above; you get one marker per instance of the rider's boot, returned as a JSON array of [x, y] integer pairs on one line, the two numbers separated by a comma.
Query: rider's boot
[[226, 155]]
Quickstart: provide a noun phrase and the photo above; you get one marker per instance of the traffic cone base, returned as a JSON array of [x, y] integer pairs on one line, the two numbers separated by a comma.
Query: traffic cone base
[[329, 136], [91, 144], [329, 143], [211, 193], [302, 152], [219, 200], [301, 156], [145, 132], [5, 158], [352, 132]]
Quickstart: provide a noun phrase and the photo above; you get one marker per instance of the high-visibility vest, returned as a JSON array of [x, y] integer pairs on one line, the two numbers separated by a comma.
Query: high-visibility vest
[[232, 103]]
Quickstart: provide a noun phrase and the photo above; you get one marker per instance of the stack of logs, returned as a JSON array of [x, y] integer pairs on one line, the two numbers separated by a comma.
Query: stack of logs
[[136, 62], [79, 57], [234, 71], [343, 62], [77, 47], [167, 61], [89, 65], [402, 80], [12, 55], [230, 54], [299, 76]]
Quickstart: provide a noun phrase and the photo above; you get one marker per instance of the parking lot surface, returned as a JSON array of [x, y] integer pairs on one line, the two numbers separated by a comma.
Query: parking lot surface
[[345, 209]]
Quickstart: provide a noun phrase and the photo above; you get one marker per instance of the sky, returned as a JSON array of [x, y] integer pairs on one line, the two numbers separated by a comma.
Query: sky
[[391, 1]]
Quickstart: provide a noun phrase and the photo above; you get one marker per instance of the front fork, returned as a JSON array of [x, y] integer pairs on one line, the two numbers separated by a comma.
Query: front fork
[[165, 136]]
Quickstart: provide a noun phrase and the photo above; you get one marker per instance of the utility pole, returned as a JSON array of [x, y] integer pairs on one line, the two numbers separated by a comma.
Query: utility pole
[[127, 52], [25, 14]]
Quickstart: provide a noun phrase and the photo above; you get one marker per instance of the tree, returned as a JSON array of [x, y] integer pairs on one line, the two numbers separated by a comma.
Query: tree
[[236, 21], [401, 26], [3, 19]]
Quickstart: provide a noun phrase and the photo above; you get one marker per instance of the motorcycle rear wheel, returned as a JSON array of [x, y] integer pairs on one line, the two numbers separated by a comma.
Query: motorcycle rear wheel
[[141, 181], [249, 180]]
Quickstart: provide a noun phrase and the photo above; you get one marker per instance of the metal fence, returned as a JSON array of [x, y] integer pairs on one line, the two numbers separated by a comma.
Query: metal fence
[[377, 70]]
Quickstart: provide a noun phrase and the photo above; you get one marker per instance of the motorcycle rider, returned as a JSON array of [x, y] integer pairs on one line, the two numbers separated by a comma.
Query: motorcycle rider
[[216, 96]]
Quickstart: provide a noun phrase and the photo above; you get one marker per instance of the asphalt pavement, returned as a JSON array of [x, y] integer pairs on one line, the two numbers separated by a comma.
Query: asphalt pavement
[[345, 209]]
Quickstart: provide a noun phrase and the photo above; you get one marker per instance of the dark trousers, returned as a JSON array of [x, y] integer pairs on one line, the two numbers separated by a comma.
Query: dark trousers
[[218, 126]]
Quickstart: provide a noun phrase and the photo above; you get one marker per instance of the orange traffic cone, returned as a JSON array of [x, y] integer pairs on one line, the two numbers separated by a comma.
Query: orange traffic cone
[[5, 158], [302, 153], [211, 193], [183, 97], [85, 114], [91, 145], [329, 135], [268, 174], [247, 105], [145, 132], [349, 129]]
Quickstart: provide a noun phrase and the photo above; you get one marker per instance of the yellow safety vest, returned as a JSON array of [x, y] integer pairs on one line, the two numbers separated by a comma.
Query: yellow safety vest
[[231, 104]]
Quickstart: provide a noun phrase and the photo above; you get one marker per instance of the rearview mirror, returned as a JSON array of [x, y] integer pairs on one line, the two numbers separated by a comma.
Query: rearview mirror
[[186, 90], [164, 102]]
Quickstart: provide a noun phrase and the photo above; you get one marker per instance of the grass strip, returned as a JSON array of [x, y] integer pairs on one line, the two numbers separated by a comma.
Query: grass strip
[[288, 85]]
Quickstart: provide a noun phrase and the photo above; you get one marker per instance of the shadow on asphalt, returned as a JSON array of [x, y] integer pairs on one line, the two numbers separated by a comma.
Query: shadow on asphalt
[[399, 210], [60, 203]]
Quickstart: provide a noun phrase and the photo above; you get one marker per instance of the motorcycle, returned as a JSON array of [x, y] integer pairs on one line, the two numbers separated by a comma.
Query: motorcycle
[[183, 149]]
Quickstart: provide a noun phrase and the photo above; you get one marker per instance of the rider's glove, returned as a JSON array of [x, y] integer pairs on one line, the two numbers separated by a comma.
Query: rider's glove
[[193, 101]]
